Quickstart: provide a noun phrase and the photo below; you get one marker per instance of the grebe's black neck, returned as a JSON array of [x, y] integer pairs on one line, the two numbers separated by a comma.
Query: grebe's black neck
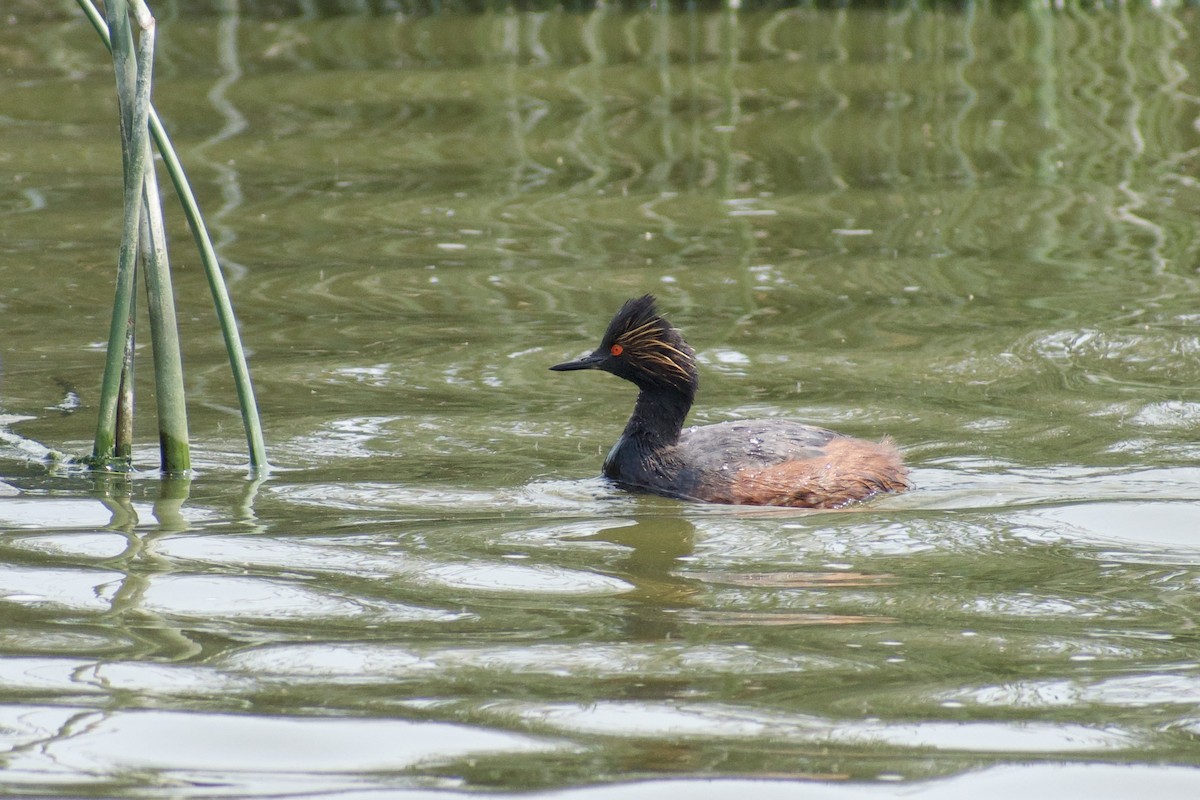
[[658, 416]]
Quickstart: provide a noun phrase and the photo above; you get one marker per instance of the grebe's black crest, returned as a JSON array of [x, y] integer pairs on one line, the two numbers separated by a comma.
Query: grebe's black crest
[[642, 347]]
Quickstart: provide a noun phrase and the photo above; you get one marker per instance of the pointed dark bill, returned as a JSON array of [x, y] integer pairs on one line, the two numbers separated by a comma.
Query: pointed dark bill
[[587, 362]]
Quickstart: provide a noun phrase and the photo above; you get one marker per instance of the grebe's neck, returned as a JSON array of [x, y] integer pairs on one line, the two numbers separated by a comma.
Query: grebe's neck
[[658, 417]]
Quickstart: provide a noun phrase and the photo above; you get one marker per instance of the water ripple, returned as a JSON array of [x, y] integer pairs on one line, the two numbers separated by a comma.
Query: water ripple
[[592, 660], [235, 598], [261, 749], [686, 720]]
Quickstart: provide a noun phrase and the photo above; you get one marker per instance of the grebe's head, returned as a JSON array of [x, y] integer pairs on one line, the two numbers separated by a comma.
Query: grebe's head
[[642, 347]]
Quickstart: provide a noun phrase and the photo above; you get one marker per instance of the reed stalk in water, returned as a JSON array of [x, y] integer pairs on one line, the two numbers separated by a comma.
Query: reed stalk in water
[[143, 217], [113, 443]]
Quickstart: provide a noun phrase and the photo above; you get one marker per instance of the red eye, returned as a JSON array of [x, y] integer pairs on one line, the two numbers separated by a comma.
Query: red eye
[[616, 349]]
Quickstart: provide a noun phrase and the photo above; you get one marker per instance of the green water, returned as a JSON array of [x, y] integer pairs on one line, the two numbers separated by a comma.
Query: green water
[[971, 230]]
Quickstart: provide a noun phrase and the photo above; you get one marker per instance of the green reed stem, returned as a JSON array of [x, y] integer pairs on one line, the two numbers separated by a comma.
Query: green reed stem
[[133, 93], [212, 269], [164, 334], [123, 444], [224, 307]]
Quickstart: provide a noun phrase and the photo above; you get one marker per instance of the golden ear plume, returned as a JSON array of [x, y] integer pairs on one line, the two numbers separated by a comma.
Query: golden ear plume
[[647, 344]]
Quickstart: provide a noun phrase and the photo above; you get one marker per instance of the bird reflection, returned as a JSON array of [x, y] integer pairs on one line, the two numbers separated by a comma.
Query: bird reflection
[[656, 544]]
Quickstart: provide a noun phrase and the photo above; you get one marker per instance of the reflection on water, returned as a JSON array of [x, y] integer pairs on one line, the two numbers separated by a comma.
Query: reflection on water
[[971, 227]]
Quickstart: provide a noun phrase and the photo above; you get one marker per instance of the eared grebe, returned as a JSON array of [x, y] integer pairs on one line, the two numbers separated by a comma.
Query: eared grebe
[[757, 462]]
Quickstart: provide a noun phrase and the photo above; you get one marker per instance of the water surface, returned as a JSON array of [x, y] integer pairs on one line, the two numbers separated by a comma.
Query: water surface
[[970, 229]]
